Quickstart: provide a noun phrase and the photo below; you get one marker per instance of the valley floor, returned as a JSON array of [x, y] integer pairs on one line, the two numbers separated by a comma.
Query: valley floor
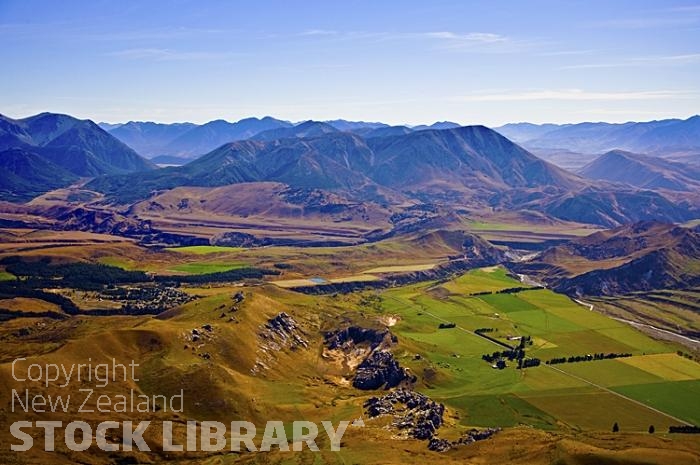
[[221, 344]]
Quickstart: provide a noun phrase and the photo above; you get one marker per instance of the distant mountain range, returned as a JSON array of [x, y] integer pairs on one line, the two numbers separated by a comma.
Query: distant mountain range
[[205, 138], [664, 137], [438, 125], [179, 143], [570, 146], [351, 126], [147, 138], [46, 151], [303, 130], [469, 159], [459, 168], [466, 167]]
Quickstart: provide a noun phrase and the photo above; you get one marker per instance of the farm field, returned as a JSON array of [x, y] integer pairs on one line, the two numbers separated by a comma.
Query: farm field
[[505, 223], [586, 395], [666, 365], [676, 397], [205, 249], [401, 268], [28, 305], [207, 267], [482, 280], [507, 228]]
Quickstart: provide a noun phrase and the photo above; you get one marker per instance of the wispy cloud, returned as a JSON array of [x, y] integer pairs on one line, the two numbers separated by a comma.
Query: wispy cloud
[[683, 58], [653, 60], [152, 34], [571, 95], [468, 38], [654, 18], [645, 23], [318, 32], [564, 53], [445, 40], [655, 113], [160, 54], [80, 31], [619, 64]]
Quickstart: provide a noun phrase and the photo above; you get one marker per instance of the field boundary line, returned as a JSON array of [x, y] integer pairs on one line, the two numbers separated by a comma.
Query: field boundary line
[[442, 320], [603, 388], [571, 375]]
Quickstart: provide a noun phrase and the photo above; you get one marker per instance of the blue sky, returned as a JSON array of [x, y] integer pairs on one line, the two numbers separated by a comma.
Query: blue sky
[[474, 62]]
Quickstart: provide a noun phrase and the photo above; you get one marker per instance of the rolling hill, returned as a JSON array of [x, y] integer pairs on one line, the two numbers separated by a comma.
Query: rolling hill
[[637, 257], [643, 171], [611, 206]]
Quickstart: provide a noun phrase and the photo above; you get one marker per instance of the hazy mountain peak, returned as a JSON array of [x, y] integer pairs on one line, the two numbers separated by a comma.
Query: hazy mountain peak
[[355, 126], [304, 129], [315, 124], [436, 125]]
